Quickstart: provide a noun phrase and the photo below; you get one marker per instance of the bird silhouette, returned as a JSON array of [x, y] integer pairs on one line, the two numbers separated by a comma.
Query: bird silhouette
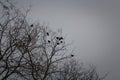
[[72, 55], [48, 41], [57, 37], [47, 34], [58, 43], [61, 41], [61, 37], [31, 25]]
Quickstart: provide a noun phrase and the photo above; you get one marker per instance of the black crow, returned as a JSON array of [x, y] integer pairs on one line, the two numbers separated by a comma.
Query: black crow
[[31, 25], [61, 41], [57, 37], [47, 34], [58, 43], [61, 37], [48, 41], [72, 55]]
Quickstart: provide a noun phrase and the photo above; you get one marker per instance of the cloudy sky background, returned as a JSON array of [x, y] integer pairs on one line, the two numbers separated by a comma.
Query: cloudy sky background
[[93, 25]]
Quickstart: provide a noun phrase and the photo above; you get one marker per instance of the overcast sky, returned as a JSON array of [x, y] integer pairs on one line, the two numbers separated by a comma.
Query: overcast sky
[[93, 25]]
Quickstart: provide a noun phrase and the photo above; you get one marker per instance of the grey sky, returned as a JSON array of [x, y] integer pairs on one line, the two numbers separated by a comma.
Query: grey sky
[[93, 25]]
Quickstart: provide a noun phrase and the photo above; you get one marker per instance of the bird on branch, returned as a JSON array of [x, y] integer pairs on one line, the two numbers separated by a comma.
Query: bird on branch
[[72, 55]]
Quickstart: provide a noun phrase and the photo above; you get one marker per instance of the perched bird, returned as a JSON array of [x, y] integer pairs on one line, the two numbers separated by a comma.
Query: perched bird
[[31, 25], [58, 43], [57, 37], [61, 37], [72, 55], [47, 34], [48, 41]]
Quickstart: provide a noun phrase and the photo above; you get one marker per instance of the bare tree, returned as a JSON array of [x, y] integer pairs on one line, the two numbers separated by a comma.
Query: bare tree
[[33, 51], [73, 70], [25, 50]]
